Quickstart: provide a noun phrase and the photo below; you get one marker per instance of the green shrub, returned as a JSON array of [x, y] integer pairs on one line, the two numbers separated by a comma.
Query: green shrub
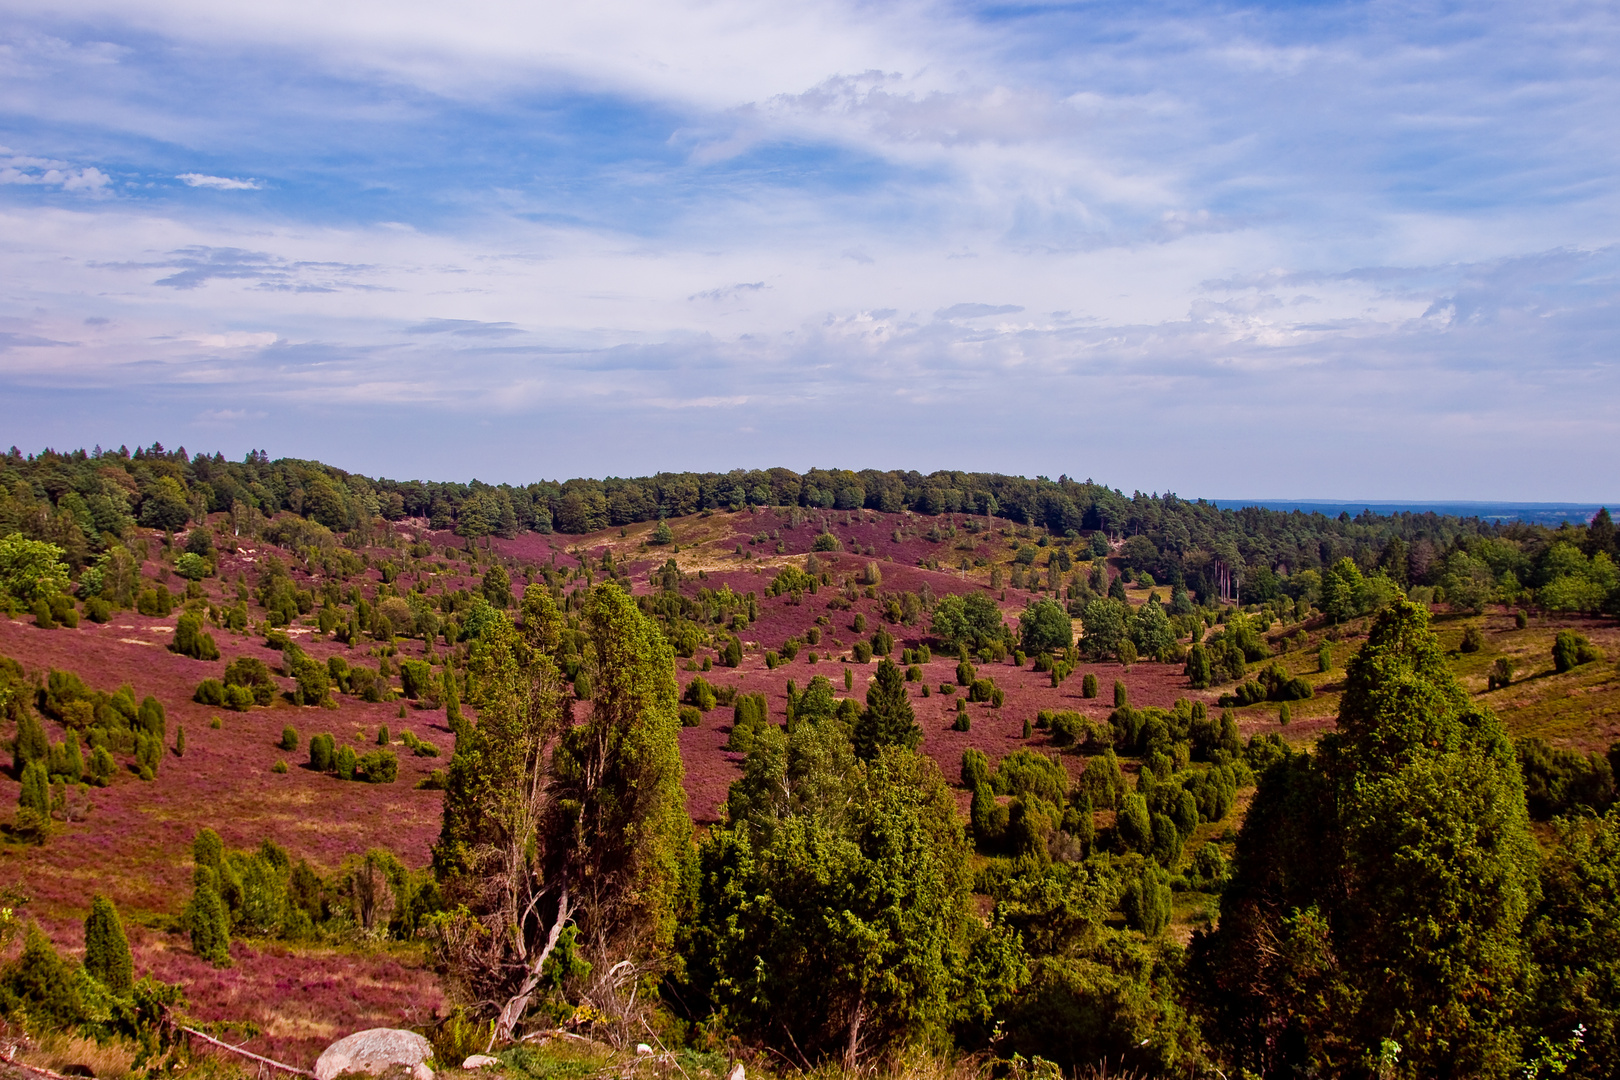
[[1571, 650], [155, 601], [210, 692], [380, 767], [63, 611], [1088, 686], [254, 674], [209, 924], [861, 653], [827, 542], [239, 698], [42, 615], [344, 762], [102, 766], [322, 751], [106, 950], [415, 677], [289, 738], [962, 722], [691, 716], [43, 985], [383, 737], [1501, 674], [1122, 696], [1473, 640], [965, 674]]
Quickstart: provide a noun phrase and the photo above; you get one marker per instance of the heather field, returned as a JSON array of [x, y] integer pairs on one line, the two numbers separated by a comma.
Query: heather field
[[134, 844]]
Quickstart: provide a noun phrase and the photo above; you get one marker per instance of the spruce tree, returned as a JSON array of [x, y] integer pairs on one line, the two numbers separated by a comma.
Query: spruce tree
[[106, 949], [888, 719], [31, 744]]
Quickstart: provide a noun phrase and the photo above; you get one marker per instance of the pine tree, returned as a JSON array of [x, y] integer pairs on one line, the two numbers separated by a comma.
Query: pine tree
[[888, 719], [106, 949]]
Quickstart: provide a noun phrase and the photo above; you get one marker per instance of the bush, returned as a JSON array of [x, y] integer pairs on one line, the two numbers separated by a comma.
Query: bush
[[155, 601], [1145, 902], [97, 610], [1088, 686], [962, 722], [826, 542], [415, 677], [344, 762], [210, 692], [1571, 650], [42, 615], [289, 739], [1473, 640], [1122, 696], [691, 716], [322, 750], [1501, 674], [965, 674], [239, 698], [700, 692], [861, 653], [253, 674], [380, 767], [190, 639]]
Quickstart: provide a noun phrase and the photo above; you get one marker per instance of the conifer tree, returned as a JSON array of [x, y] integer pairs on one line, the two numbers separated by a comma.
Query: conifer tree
[[1380, 887], [888, 719], [106, 949], [210, 925], [35, 797]]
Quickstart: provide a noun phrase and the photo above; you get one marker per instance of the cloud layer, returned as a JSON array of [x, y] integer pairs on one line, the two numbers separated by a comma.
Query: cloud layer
[[1334, 250]]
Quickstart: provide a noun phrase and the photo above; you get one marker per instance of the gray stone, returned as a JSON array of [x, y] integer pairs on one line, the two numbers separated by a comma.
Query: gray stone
[[480, 1061], [376, 1051], [737, 1072]]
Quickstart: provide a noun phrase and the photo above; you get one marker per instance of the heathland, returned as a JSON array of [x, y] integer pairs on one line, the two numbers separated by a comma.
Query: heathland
[[866, 769]]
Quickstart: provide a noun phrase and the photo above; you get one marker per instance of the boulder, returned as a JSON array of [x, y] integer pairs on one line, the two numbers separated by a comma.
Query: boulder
[[480, 1061], [737, 1072], [376, 1051]]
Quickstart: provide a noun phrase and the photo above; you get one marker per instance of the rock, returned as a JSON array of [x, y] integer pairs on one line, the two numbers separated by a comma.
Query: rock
[[737, 1073], [643, 1048], [376, 1051], [479, 1061]]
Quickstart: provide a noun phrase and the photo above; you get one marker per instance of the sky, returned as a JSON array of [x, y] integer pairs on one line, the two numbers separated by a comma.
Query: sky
[[1304, 250]]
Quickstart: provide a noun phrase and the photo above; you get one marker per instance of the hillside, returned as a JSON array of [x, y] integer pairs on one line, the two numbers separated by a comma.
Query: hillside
[[714, 568]]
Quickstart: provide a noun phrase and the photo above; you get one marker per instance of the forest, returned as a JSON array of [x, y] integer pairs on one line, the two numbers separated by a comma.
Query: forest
[[854, 773]]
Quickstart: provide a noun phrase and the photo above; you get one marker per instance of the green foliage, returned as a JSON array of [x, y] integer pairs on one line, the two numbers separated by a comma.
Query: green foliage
[[190, 639], [967, 622], [1088, 686], [379, 767], [1044, 627], [826, 542], [31, 570], [1342, 590], [345, 762], [1122, 696], [322, 752], [888, 719], [47, 988], [106, 949], [1575, 936], [1200, 673], [1403, 853], [1559, 782], [1105, 621], [208, 922], [839, 935], [1570, 650], [253, 675], [289, 738], [416, 678], [1145, 900]]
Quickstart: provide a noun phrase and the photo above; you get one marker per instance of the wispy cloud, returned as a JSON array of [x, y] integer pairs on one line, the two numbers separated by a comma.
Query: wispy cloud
[[1054, 225], [218, 183]]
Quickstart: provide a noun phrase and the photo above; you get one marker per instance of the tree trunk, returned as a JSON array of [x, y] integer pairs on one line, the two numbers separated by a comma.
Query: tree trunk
[[853, 1047], [518, 1004]]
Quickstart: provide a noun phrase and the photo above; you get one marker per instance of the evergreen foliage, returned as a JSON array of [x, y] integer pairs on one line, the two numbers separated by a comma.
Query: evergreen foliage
[[106, 949], [888, 719]]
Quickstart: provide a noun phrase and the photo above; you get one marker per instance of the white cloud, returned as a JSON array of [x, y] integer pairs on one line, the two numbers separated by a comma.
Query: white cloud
[[218, 183], [236, 339], [25, 170]]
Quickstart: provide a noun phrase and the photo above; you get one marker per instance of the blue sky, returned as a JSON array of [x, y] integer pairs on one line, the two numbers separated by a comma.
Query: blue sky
[[1329, 250]]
